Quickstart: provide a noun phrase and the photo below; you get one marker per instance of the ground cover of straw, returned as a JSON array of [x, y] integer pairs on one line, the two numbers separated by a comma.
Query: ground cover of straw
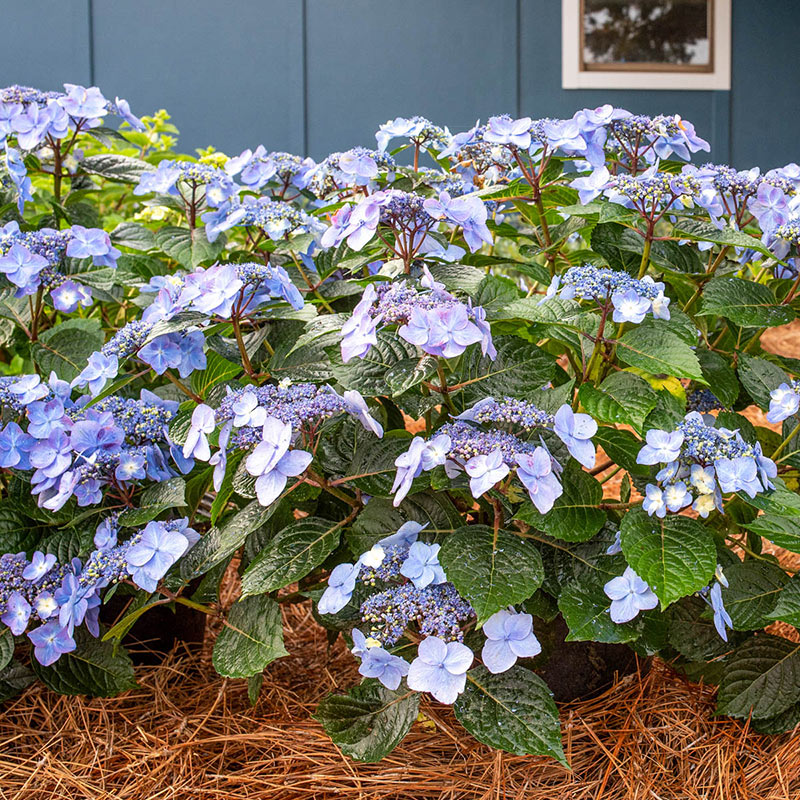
[[186, 733]]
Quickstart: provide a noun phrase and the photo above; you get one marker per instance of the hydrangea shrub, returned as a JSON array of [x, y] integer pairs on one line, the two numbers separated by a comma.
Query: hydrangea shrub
[[397, 382]]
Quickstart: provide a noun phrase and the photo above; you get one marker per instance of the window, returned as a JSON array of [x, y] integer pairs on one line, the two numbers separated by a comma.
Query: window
[[646, 44]]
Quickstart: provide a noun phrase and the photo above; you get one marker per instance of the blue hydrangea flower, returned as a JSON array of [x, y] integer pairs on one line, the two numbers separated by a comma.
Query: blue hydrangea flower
[[722, 618], [485, 471], [535, 470], [662, 447], [505, 130], [440, 668], [341, 584], [203, 423], [784, 402], [21, 266], [509, 636], [40, 565], [629, 595], [272, 463], [377, 662], [421, 566], [50, 641], [629, 306], [576, 431], [654, 502], [409, 466], [15, 447], [738, 475], [154, 553], [17, 613]]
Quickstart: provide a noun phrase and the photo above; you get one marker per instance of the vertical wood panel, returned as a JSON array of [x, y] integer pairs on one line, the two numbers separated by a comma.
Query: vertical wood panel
[[449, 60], [230, 75]]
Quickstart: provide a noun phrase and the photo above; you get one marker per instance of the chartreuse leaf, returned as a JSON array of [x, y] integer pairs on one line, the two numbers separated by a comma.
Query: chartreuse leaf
[[584, 606], [95, 667], [369, 721], [621, 398], [759, 377], [745, 303], [188, 248], [491, 572], [574, 516], [65, 348], [675, 555], [251, 639], [513, 711], [762, 678], [752, 593], [659, 351], [291, 555]]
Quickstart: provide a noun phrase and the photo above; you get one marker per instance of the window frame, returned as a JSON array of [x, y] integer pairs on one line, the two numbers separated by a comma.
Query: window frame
[[645, 76]]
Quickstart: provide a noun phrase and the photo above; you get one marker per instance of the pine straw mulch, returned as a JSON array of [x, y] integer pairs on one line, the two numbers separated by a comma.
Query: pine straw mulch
[[189, 734]]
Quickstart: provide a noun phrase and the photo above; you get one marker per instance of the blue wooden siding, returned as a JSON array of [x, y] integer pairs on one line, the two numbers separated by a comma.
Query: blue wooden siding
[[320, 75]]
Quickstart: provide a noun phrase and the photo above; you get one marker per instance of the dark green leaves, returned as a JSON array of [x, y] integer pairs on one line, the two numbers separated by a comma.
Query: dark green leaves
[[369, 375], [93, 668], [675, 555], [369, 721], [513, 711], [66, 348], [575, 516], [782, 531], [759, 377], [491, 573], [719, 376], [251, 639], [115, 167], [519, 369], [584, 605], [291, 555], [700, 231], [762, 677], [188, 248], [621, 398], [659, 351], [746, 303], [752, 592]]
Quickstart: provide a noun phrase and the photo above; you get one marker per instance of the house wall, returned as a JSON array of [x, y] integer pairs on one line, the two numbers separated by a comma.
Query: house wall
[[312, 76]]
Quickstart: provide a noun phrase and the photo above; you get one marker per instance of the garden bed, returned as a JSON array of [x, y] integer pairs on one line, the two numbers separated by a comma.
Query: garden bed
[[186, 733]]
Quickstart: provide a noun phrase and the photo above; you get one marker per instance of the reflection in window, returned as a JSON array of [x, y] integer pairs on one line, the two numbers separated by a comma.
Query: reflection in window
[[670, 35]]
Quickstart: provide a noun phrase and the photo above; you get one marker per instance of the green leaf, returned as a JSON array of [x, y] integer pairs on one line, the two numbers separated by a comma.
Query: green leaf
[[675, 555], [622, 447], [154, 500], [6, 648], [13, 679], [787, 608], [66, 348], [115, 167], [490, 572], [692, 632], [752, 592], [251, 639], [762, 677], [291, 555], [659, 352], [781, 531], [719, 376], [620, 247], [621, 398], [699, 231], [188, 248], [95, 668], [409, 372], [520, 368], [575, 516], [745, 303], [374, 461], [218, 370], [781, 501], [584, 606], [368, 375], [513, 711], [134, 236], [759, 377], [458, 277], [369, 721]]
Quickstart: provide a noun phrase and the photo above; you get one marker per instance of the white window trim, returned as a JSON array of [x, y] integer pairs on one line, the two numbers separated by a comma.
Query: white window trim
[[572, 77]]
